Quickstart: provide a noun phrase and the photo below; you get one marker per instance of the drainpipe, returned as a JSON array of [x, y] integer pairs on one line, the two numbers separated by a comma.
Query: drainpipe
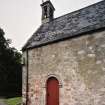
[[27, 72]]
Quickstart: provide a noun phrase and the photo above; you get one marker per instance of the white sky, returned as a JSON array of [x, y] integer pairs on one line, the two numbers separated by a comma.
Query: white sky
[[20, 18]]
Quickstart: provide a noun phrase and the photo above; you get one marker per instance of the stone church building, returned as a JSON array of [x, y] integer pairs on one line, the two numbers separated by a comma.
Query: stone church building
[[64, 60]]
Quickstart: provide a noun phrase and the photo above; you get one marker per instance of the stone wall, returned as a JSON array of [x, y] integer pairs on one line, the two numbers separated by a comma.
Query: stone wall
[[78, 64]]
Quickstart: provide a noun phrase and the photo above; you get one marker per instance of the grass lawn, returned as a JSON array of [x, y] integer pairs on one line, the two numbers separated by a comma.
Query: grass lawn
[[13, 101]]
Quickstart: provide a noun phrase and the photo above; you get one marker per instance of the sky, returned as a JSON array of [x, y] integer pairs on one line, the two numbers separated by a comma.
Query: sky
[[20, 18]]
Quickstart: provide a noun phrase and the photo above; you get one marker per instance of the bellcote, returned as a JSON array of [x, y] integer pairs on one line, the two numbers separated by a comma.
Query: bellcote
[[47, 11]]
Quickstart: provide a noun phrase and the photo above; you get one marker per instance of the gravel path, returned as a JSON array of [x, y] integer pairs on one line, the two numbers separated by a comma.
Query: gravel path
[[2, 102]]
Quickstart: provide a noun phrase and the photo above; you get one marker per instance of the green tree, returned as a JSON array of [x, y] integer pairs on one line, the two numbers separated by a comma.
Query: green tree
[[10, 68]]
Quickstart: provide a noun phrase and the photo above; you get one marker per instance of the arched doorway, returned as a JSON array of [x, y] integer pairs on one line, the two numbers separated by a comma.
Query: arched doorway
[[52, 91]]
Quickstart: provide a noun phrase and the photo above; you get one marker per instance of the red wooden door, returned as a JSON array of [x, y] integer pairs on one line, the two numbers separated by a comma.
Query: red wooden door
[[52, 91]]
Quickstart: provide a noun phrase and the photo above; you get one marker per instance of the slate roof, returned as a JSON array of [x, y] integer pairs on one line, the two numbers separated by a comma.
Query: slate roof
[[69, 25]]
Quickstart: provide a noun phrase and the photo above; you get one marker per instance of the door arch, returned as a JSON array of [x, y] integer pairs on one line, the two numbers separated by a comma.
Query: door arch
[[52, 91]]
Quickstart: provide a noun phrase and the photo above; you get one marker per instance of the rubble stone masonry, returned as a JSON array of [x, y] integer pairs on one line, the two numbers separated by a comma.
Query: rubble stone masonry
[[78, 64]]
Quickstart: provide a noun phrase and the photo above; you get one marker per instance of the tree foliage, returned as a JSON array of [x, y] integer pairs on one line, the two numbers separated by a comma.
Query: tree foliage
[[10, 68]]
